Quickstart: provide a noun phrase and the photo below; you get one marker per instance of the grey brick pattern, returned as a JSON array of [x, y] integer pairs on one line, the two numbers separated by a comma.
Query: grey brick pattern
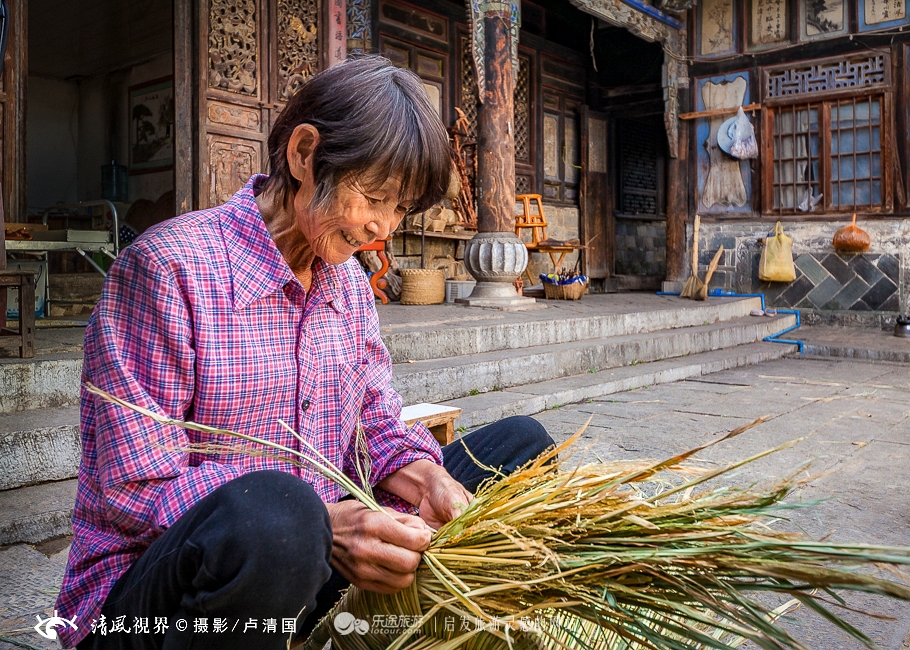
[[836, 281], [641, 247]]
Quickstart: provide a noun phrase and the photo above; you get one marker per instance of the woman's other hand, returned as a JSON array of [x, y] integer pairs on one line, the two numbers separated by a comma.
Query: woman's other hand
[[423, 483], [375, 551]]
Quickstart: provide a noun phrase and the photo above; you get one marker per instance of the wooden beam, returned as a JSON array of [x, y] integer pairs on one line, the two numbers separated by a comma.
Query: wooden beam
[[678, 205], [750, 108]]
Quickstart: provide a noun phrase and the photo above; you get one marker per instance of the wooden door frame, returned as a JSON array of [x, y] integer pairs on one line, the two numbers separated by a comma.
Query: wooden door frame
[[12, 105], [598, 229], [186, 106]]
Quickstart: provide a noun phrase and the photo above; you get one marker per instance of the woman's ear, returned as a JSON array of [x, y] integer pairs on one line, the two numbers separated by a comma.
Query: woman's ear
[[301, 148]]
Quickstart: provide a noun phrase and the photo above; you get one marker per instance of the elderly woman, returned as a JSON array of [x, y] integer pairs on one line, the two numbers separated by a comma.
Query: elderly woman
[[238, 317]]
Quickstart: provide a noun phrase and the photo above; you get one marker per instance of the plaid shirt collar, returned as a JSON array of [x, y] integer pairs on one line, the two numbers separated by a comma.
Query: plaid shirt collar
[[257, 267]]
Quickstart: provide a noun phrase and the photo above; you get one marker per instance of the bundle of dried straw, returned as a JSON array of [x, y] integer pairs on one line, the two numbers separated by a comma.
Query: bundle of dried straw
[[623, 554]]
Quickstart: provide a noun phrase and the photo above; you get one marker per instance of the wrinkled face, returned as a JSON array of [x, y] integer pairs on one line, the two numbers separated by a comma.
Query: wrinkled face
[[358, 215]]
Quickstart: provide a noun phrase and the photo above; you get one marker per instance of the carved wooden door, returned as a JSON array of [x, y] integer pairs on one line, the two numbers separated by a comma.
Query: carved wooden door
[[252, 58], [596, 196]]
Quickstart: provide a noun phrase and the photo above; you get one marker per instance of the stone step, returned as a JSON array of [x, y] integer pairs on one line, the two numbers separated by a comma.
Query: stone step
[[48, 380], [36, 513], [39, 445], [437, 380], [415, 342], [537, 397]]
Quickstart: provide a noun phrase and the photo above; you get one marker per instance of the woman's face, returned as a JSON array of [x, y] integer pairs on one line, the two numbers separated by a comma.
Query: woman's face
[[357, 215]]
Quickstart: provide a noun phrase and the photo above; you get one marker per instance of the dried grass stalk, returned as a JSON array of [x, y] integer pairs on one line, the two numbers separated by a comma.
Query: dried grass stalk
[[622, 554]]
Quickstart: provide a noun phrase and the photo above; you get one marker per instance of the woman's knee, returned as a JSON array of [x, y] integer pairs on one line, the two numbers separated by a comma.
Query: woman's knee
[[528, 435], [272, 515]]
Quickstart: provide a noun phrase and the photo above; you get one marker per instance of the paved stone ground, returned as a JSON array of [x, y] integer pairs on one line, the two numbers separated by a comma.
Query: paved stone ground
[[857, 414], [857, 417]]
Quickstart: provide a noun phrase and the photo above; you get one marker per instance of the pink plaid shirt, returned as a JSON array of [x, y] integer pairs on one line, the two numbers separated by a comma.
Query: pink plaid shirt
[[202, 319]]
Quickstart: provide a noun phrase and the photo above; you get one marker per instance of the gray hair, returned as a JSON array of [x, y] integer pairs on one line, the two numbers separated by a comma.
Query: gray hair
[[374, 121]]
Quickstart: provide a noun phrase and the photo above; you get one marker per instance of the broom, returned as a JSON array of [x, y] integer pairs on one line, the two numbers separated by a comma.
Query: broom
[[702, 293], [693, 284], [613, 555]]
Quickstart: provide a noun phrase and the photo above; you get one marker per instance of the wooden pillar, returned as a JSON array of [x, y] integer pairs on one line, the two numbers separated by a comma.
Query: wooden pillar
[[678, 203], [495, 136], [12, 114]]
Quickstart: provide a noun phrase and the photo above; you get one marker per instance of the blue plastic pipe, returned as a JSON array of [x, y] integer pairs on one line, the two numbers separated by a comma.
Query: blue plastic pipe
[[774, 338]]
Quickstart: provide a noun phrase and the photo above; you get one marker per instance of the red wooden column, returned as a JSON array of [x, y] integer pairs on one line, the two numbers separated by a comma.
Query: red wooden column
[[495, 135], [495, 256]]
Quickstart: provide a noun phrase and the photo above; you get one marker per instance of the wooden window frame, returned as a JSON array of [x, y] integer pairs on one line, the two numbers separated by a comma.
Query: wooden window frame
[[824, 100]]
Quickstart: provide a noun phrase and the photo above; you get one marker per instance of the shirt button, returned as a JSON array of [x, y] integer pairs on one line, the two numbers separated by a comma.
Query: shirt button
[[305, 404]]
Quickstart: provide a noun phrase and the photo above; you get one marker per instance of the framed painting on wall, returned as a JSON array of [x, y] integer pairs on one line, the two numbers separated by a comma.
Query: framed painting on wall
[[769, 24], [151, 106], [822, 19], [716, 34], [881, 14]]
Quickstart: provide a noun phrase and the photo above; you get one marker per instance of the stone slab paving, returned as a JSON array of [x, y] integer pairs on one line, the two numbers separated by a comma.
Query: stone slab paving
[[865, 343], [856, 415], [29, 582]]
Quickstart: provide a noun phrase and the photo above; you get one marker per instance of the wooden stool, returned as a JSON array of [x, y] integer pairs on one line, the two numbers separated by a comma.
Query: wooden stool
[[25, 281], [536, 222], [439, 419], [377, 281]]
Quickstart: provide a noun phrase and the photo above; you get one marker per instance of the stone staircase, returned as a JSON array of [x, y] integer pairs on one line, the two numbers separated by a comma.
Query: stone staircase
[[489, 365]]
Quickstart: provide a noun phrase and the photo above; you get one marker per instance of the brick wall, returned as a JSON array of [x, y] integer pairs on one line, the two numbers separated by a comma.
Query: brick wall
[[866, 288], [641, 247]]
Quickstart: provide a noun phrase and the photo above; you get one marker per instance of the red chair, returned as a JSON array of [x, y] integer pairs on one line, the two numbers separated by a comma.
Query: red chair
[[377, 281]]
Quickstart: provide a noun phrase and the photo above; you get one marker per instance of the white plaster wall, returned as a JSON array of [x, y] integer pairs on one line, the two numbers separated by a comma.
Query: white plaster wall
[[51, 142], [104, 130], [153, 185]]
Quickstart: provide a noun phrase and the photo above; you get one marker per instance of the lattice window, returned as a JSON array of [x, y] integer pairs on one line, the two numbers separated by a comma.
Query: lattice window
[[523, 112], [523, 184], [640, 161], [298, 44], [829, 156], [824, 76], [797, 146], [468, 86], [826, 151]]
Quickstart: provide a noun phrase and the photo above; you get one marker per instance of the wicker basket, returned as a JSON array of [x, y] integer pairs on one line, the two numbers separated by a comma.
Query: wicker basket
[[422, 287], [572, 291]]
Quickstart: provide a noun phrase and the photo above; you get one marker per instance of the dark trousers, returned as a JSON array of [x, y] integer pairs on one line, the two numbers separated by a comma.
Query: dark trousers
[[255, 552]]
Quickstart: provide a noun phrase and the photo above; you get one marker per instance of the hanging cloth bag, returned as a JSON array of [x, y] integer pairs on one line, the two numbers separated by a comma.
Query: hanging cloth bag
[[851, 238], [776, 262]]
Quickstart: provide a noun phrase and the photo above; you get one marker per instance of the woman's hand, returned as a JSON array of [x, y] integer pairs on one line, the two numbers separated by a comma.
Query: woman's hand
[[423, 483], [374, 551]]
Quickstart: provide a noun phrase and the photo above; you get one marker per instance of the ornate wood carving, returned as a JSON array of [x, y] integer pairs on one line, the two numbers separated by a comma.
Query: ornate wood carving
[[239, 116], [233, 46], [675, 74], [846, 73], [231, 163], [298, 44]]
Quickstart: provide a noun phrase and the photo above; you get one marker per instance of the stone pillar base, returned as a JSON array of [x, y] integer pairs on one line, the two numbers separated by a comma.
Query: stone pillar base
[[495, 259]]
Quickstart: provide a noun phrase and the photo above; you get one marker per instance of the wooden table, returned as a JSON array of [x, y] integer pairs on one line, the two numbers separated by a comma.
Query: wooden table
[[439, 419], [25, 281]]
